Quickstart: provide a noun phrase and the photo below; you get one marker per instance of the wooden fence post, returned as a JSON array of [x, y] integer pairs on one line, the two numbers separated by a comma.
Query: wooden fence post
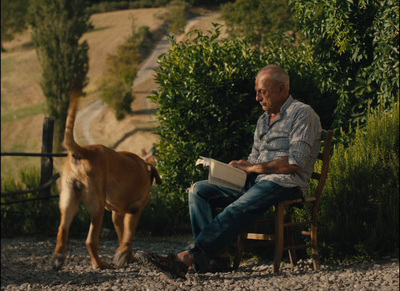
[[47, 162]]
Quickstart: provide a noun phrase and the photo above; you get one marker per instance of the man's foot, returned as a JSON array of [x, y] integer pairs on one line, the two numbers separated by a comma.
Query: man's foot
[[218, 264], [169, 265]]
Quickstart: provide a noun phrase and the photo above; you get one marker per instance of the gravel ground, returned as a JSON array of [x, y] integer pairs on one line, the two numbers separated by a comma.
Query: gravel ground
[[25, 265]]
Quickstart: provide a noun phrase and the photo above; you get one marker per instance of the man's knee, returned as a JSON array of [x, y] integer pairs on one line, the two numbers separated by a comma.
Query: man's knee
[[192, 191], [195, 189]]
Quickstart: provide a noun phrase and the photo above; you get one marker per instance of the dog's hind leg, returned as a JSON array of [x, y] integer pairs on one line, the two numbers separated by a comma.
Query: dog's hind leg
[[124, 254], [93, 238], [68, 208]]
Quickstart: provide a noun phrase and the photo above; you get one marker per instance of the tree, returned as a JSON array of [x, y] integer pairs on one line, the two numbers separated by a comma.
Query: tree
[[356, 44], [258, 20], [57, 27], [13, 14]]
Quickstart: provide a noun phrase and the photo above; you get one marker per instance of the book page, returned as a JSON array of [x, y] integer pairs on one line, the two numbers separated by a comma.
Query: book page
[[222, 174]]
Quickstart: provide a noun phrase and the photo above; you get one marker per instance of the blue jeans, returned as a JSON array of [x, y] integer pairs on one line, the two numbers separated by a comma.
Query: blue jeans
[[214, 232]]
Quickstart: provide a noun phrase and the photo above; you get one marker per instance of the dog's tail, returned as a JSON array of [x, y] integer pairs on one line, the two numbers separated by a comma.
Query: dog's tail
[[154, 174], [72, 147]]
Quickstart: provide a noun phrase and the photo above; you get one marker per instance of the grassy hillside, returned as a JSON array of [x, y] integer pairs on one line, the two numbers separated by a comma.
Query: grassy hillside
[[23, 103], [22, 100]]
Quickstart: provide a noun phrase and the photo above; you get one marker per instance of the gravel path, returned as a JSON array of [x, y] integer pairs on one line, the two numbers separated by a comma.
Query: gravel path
[[25, 266]]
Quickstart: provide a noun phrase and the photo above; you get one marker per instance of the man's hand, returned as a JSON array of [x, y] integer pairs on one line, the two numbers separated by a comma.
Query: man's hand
[[280, 166], [243, 165]]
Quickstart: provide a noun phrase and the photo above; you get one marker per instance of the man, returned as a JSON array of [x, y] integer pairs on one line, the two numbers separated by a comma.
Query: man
[[279, 167]]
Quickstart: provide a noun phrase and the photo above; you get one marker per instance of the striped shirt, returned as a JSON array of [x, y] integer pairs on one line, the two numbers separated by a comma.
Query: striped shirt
[[296, 133]]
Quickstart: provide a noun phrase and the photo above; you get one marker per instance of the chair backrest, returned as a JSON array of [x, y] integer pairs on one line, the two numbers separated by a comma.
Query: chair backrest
[[324, 156]]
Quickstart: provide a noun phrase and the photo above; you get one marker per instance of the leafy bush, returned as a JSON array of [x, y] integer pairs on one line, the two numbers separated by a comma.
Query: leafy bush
[[360, 204]]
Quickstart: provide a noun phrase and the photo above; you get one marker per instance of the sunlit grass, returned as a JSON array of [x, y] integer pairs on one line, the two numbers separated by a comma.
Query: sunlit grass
[[22, 113]]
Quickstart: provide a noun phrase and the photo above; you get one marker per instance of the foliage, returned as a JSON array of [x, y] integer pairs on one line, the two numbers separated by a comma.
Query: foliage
[[360, 204], [162, 217], [107, 6], [122, 70], [13, 14], [57, 27], [259, 20], [356, 44], [178, 10], [26, 218]]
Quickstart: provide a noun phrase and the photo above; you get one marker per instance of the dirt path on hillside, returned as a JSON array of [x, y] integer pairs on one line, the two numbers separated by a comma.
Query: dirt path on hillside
[[87, 115], [95, 122]]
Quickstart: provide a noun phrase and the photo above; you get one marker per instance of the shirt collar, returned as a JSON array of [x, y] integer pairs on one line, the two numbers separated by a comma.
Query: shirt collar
[[285, 105]]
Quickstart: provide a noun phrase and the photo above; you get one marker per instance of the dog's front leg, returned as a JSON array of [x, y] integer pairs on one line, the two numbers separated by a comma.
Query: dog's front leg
[[92, 241]]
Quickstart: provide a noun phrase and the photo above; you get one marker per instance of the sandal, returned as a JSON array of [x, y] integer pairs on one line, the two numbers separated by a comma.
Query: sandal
[[217, 265], [169, 265], [220, 264]]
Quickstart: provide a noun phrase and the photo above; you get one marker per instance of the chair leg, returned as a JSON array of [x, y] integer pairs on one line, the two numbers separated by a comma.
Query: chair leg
[[290, 237], [314, 242], [241, 240], [279, 236]]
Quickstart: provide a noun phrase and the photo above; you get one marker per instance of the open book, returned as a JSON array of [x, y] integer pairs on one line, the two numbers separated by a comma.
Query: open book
[[222, 174]]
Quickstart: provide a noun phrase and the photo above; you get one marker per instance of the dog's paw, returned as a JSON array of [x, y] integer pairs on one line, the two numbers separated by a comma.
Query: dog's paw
[[101, 265], [57, 261], [123, 257]]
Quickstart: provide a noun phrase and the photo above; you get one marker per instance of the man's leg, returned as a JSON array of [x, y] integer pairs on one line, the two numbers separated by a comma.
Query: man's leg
[[204, 198], [235, 218]]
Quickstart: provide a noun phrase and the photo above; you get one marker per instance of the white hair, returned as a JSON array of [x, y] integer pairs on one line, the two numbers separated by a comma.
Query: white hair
[[277, 74]]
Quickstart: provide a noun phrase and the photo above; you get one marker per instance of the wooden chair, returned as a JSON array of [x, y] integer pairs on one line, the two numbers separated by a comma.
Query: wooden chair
[[284, 223]]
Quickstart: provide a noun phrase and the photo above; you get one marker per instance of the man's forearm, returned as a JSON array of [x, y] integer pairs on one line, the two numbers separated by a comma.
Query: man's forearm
[[280, 166]]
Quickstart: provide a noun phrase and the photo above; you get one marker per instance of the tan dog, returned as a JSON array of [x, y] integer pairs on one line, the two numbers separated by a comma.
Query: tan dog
[[103, 179]]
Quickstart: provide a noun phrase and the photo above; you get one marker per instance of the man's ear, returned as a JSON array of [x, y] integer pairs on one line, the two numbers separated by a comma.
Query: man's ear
[[282, 87]]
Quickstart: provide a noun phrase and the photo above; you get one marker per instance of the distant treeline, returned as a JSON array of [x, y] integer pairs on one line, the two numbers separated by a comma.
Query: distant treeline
[[152, 3]]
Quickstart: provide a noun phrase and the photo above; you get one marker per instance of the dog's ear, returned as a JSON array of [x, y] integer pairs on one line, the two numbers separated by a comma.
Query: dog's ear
[[154, 174]]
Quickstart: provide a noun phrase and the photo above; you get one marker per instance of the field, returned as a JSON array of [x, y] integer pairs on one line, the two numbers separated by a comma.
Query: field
[[23, 103]]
